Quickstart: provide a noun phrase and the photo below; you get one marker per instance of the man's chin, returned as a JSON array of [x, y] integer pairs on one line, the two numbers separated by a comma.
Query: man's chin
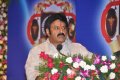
[[61, 41]]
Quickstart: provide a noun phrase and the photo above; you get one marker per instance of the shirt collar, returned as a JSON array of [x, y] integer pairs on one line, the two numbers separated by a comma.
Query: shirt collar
[[65, 50], [67, 41]]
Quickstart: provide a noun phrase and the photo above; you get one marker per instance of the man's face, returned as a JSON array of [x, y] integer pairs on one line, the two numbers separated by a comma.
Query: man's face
[[58, 32], [34, 28], [71, 29], [111, 21]]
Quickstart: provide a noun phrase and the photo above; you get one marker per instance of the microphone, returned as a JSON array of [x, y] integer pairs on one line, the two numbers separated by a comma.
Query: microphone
[[59, 47]]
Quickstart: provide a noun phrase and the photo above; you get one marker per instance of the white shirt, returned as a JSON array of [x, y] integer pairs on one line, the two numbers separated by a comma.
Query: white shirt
[[69, 48]]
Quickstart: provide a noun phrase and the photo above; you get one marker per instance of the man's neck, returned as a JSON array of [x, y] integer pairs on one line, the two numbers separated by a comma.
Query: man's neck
[[55, 44]]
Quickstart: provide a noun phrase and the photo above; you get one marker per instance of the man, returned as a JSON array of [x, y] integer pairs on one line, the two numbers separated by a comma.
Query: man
[[34, 30], [111, 22], [56, 28], [111, 26], [71, 32]]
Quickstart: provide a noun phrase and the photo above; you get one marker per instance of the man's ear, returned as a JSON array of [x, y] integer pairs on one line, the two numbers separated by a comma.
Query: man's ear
[[47, 32]]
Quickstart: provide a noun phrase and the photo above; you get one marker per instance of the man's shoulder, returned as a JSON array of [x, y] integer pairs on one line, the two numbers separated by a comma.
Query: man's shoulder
[[39, 46], [79, 48], [74, 44]]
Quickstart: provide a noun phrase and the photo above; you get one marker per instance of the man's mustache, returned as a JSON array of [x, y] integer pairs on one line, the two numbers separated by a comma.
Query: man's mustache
[[61, 34]]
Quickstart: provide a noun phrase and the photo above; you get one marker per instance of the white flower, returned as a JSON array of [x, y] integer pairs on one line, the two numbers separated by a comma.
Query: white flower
[[75, 65], [5, 66], [104, 58], [54, 70], [1, 72], [92, 67], [4, 15], [1, 41], [5, 56], [78, 78], [69, 71], [3, 5], [113, 57], [6, 47], [5, 38], [4, 77], [55, 55], [104, 69], [1, 27], [1, 56], [69, 60], [82, 64], [112, 66], [112, 75], [87, 67], [6, 22]]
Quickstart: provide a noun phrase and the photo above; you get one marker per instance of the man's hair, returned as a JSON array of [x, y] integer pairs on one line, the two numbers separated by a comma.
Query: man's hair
[[53, 17], [71, 20], [111, 13]]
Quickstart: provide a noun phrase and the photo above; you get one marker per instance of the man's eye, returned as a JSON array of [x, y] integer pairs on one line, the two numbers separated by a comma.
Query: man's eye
[[56, 27]]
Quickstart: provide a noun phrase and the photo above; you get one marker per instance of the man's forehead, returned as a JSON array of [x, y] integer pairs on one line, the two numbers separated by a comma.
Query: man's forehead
[[58, 22]]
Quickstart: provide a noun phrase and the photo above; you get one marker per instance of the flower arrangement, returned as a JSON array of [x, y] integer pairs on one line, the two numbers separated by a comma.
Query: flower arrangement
[[78, 68], [3, 38]]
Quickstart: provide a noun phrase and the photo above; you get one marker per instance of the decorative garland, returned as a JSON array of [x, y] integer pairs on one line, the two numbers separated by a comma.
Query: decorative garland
[[3, 38], [78, 68]]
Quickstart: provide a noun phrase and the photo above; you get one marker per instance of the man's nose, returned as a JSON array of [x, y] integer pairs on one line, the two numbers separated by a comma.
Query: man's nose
[[61, 30]]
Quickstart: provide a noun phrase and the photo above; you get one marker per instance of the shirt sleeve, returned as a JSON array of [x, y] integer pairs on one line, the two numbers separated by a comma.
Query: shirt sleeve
[[80, 49], [31, 63], [85, 52]]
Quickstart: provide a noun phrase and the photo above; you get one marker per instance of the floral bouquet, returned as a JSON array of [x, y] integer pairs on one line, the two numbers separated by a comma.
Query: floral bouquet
[[78, 68]]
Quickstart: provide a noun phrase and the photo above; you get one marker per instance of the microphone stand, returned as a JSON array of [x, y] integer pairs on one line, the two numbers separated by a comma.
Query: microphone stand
[[59, 47]]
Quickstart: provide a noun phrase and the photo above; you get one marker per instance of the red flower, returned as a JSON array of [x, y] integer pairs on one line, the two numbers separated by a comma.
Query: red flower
[[116, 70], [47, 75], [4, 62], [50, 60], [42, 54], [83, 79], [50, 65], [61, 64], [55, 76], [65, 78], [118, 65], [45, 57]]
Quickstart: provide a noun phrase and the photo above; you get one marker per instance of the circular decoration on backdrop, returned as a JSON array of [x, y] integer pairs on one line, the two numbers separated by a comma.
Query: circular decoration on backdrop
[[109, 21], [35, 27]]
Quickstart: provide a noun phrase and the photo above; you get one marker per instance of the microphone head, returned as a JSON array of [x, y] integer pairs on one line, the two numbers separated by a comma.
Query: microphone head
[[59, 47]]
